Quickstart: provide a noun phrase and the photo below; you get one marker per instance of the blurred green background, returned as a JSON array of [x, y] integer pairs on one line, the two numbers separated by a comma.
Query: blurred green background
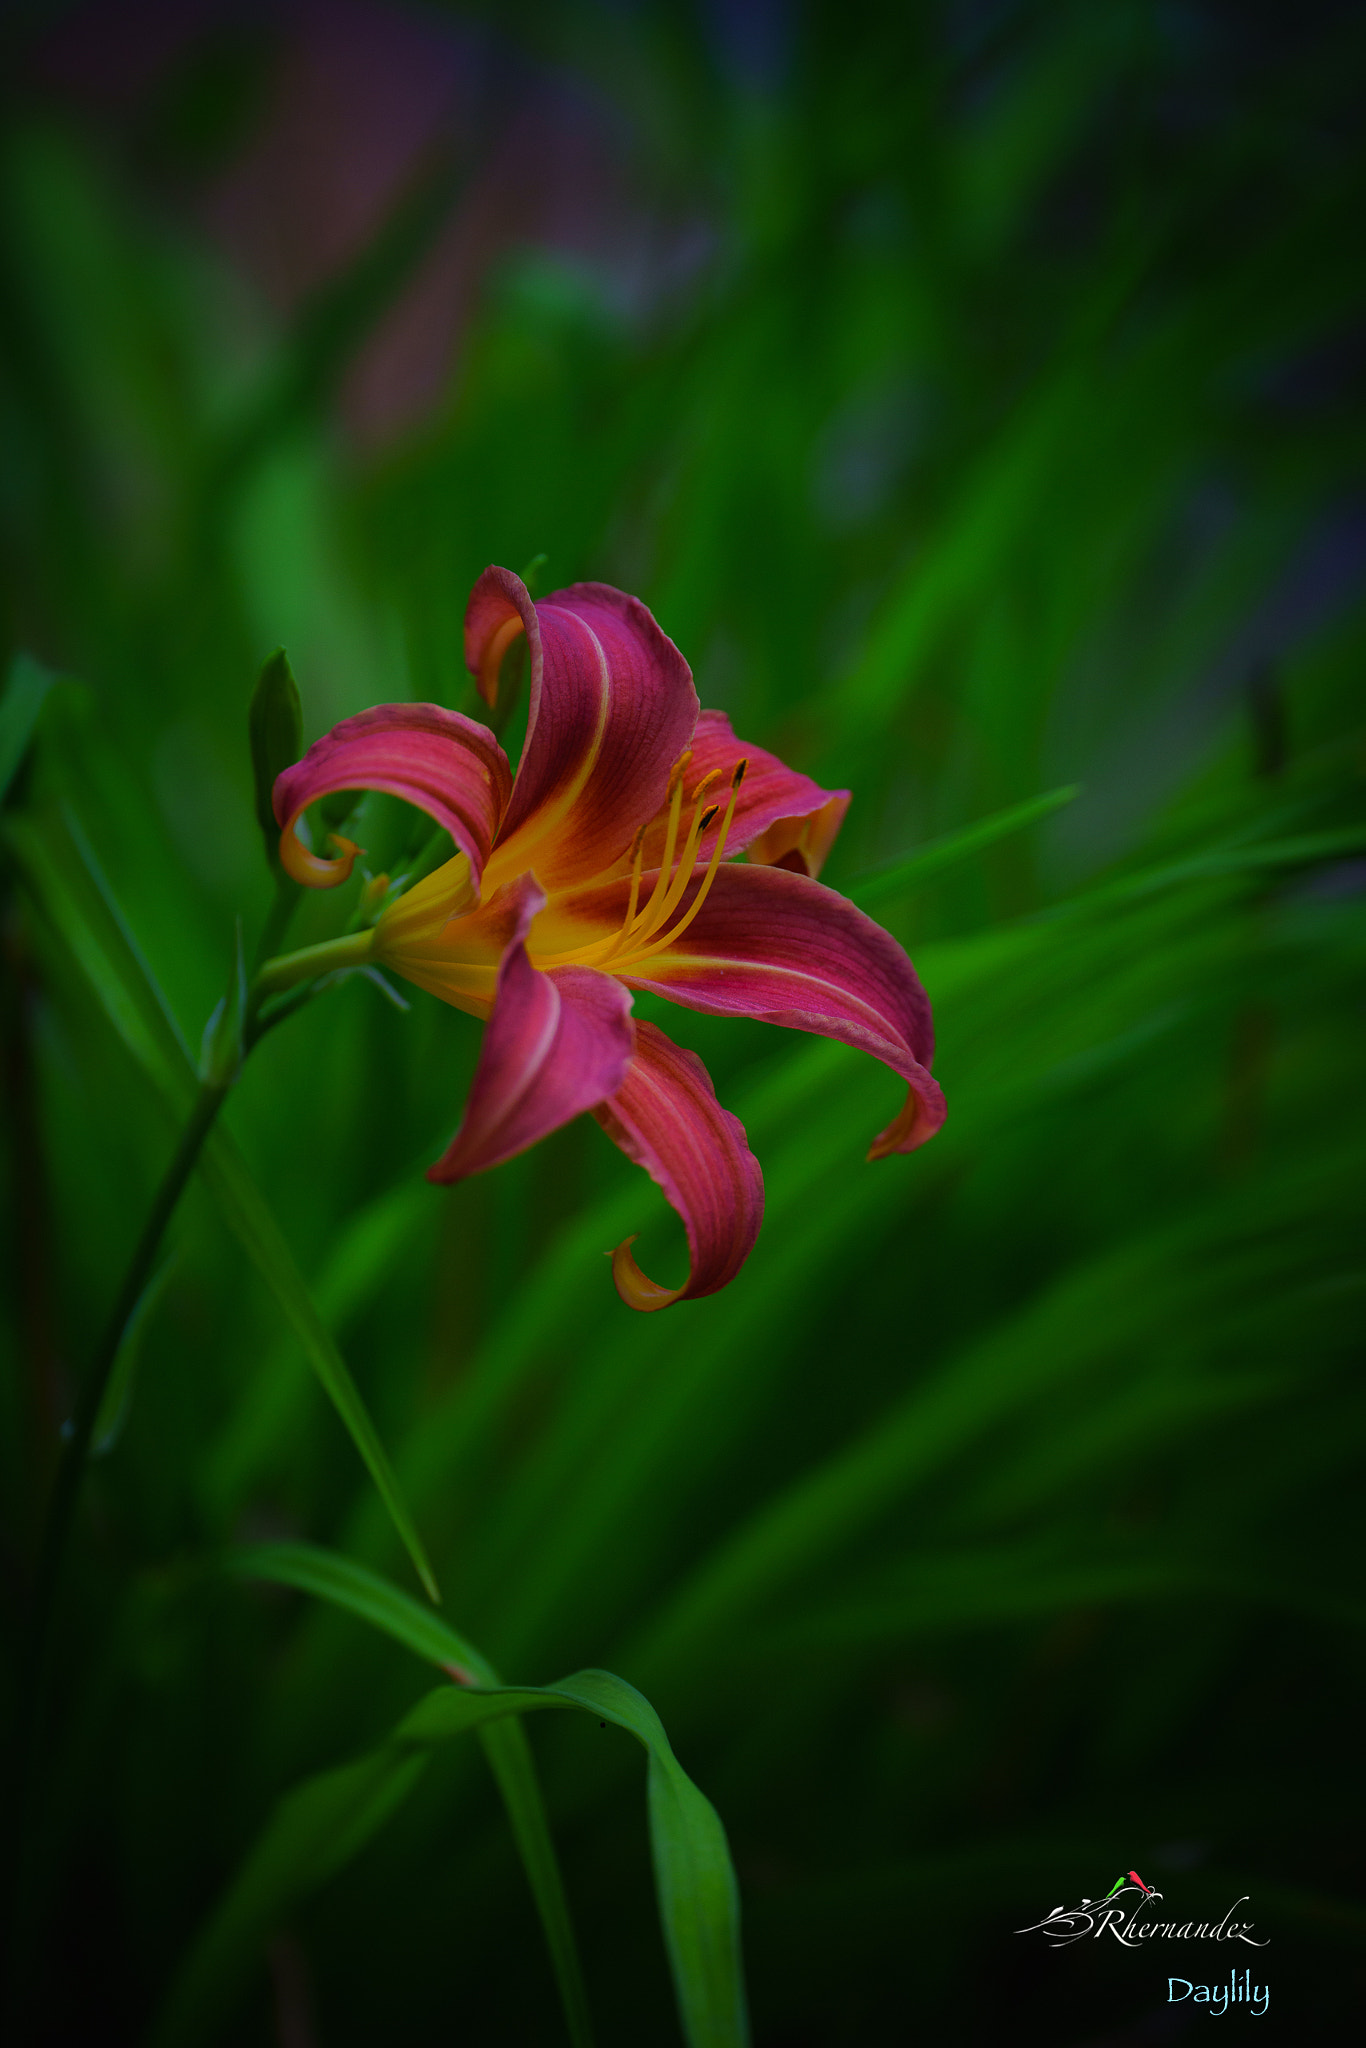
[[972, 390]]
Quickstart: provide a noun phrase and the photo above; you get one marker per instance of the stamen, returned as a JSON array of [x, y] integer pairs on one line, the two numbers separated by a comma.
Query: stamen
[[656, 909], [637, 855], [619, 938], [640, 936], [679, 770], [661, 907], [667, 938]]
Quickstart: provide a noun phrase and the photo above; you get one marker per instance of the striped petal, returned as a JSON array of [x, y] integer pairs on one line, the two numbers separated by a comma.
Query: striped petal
[[666, 1117], [783, 818], [774, 945], [801, 843], [448, 766], [611, 708], [556, 1045]]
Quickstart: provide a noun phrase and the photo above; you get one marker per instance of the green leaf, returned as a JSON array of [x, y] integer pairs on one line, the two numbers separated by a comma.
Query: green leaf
[[1240, 858], [694, 1879], [62, 872], [275, 729], [25, 693], [505, 1745], [249, 1216], [303, 1843], [63, 876], [264, 1431], [909, 870], [362, 1592]]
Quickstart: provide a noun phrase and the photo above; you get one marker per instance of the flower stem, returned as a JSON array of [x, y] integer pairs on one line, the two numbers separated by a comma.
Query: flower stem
[[352, 949], [287, 894], [23, 1907], [76, 1449]]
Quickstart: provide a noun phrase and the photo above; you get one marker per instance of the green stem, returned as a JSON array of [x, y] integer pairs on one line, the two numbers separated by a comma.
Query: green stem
[[76, 1450], [287, 894], [61, 1514], [352, 949]]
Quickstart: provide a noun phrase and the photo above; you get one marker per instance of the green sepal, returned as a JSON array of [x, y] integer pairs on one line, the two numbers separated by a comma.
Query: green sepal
[[275, 726]]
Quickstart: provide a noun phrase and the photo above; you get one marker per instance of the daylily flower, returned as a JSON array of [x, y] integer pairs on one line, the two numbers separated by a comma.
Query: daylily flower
[[606, 864]]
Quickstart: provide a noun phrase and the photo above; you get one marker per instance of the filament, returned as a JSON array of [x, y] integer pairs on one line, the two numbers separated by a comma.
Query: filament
[[667, 938], [643, 933]]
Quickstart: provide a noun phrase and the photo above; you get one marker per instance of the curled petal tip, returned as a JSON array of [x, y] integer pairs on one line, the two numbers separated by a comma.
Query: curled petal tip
[[636, 1289], [919, 1120], [801, 844], [310, 870], [491, 659]]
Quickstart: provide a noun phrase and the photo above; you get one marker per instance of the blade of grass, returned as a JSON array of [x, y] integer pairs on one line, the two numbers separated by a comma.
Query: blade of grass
[[327, 1576], [912, 868], [272, 1410], [1070, 1332], [505, 1745]]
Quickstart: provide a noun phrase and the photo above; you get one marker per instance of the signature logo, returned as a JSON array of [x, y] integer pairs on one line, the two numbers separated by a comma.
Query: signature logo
[[1129, 1912]]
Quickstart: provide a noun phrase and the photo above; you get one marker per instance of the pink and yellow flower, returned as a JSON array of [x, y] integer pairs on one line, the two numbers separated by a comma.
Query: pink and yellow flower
[[606, 864]]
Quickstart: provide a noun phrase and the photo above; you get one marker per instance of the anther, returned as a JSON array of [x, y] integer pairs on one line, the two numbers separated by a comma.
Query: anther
[[653, 939], [738, 777], [705, 784]]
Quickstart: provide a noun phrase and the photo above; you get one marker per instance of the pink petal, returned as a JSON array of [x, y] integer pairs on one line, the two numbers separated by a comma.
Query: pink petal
[[666, 1117], [780, 816], [801, 844], [612, 707], [774, 945], [447, 765], [556, 1045]]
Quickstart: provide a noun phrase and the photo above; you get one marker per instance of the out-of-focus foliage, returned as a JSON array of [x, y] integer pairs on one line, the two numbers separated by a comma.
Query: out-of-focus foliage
[[971, 392]]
